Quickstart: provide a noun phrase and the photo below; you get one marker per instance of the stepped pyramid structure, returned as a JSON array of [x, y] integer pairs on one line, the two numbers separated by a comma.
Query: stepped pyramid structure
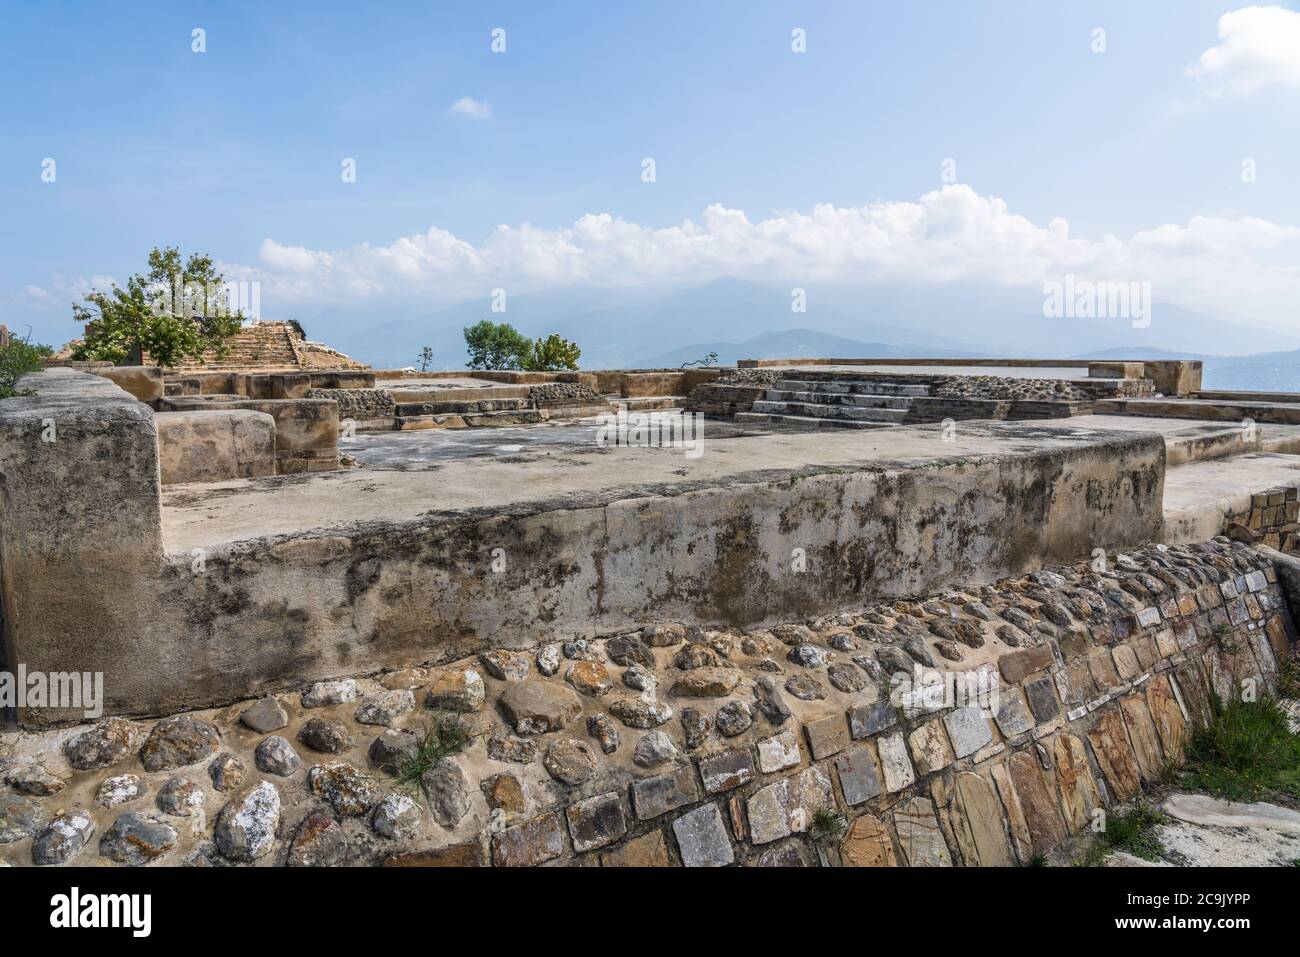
[[271, 346]]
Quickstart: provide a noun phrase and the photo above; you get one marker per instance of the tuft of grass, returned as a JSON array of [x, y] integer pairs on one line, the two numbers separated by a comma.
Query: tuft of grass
[[827, 824], [1245, 752], [1136, 831], [1288, 678], [442, 737]]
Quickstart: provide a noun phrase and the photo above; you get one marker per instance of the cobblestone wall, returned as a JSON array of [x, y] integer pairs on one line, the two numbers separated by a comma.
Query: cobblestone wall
[[359, 403], [1274, 518], [559, 395], [813, 743]]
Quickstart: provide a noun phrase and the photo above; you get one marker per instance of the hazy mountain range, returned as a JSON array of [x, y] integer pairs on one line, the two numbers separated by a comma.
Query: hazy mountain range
[[665, 327]]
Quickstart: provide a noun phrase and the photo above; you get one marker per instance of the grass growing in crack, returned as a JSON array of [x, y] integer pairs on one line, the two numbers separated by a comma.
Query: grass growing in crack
[[1245, 752], [1224, 639], [827, 824], [1288, 678], [442, 737], [1136, 831]]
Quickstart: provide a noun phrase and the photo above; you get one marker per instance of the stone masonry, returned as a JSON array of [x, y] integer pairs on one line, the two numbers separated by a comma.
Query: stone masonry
[[833, 741]]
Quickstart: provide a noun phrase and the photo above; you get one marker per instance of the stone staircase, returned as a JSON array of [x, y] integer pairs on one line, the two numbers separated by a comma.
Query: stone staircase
[[832, 403], [464, 413], [262, 345]]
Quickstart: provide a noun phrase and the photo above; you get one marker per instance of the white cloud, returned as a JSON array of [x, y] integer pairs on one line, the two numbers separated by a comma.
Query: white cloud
[[292, 258], [1245, 267], [36, 294], [471, 109], [1260, 48]]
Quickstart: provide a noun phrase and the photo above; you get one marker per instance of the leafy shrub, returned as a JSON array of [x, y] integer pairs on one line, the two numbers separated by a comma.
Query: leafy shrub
[[175, 311], [497, 346], [553, 352], [16, 360]]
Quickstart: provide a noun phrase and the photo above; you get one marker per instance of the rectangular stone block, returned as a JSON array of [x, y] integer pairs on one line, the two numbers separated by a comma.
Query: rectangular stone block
[[726, 770], [1041, 693], [859, 780], [215, 446], [529, 844], [787, 807], [658, 795], [895, 765], [1012, 716], [596, 822], [827, 736], [702, 838], [779, 752], [969, 730], [1016, 666], [930, 749], [869, 719]]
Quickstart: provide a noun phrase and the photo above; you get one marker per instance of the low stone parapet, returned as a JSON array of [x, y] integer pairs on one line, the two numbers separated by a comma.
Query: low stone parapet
[[214, 446], [306, 430]]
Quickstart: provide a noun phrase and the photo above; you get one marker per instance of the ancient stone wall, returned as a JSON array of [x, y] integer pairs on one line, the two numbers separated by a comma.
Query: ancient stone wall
[[1274, 518], [981, 726], [350, 598], [80, 543], [359, 404], [214, 446], [306, 429]]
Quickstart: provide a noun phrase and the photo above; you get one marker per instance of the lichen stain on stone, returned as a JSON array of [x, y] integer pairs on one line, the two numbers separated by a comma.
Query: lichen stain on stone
[[738, 570]]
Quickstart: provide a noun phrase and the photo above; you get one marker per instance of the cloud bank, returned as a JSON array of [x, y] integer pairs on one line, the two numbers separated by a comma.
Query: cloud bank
[[1249, 268]]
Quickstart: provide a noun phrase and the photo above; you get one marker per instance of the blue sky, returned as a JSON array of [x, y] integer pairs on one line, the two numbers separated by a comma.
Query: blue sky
[[239, 147]]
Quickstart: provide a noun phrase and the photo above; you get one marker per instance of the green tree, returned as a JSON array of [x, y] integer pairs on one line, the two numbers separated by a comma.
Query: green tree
[[173, 312], [426, 358], [553, 352], [17, 358], [493, 346]]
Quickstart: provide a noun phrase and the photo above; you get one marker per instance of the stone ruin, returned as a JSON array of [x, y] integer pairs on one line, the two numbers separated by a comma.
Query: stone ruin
[[942, 632]]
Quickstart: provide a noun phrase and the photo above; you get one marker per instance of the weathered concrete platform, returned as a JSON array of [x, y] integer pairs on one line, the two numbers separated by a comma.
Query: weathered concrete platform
[[239, 586], [327, 575], [1193, 441], [1202, 497], [1216, 410], [224, 513]]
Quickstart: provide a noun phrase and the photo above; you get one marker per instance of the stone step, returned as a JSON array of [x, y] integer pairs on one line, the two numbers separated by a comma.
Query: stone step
[[840, 398], [815, 410], [469, 420], [648, 403], [765, 418], [849, 387], [403, 394], [461, 406]]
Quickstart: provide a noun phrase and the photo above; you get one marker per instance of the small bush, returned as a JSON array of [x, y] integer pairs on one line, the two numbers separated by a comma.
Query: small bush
[[552, 353], [16, 360], [1288, 679]]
